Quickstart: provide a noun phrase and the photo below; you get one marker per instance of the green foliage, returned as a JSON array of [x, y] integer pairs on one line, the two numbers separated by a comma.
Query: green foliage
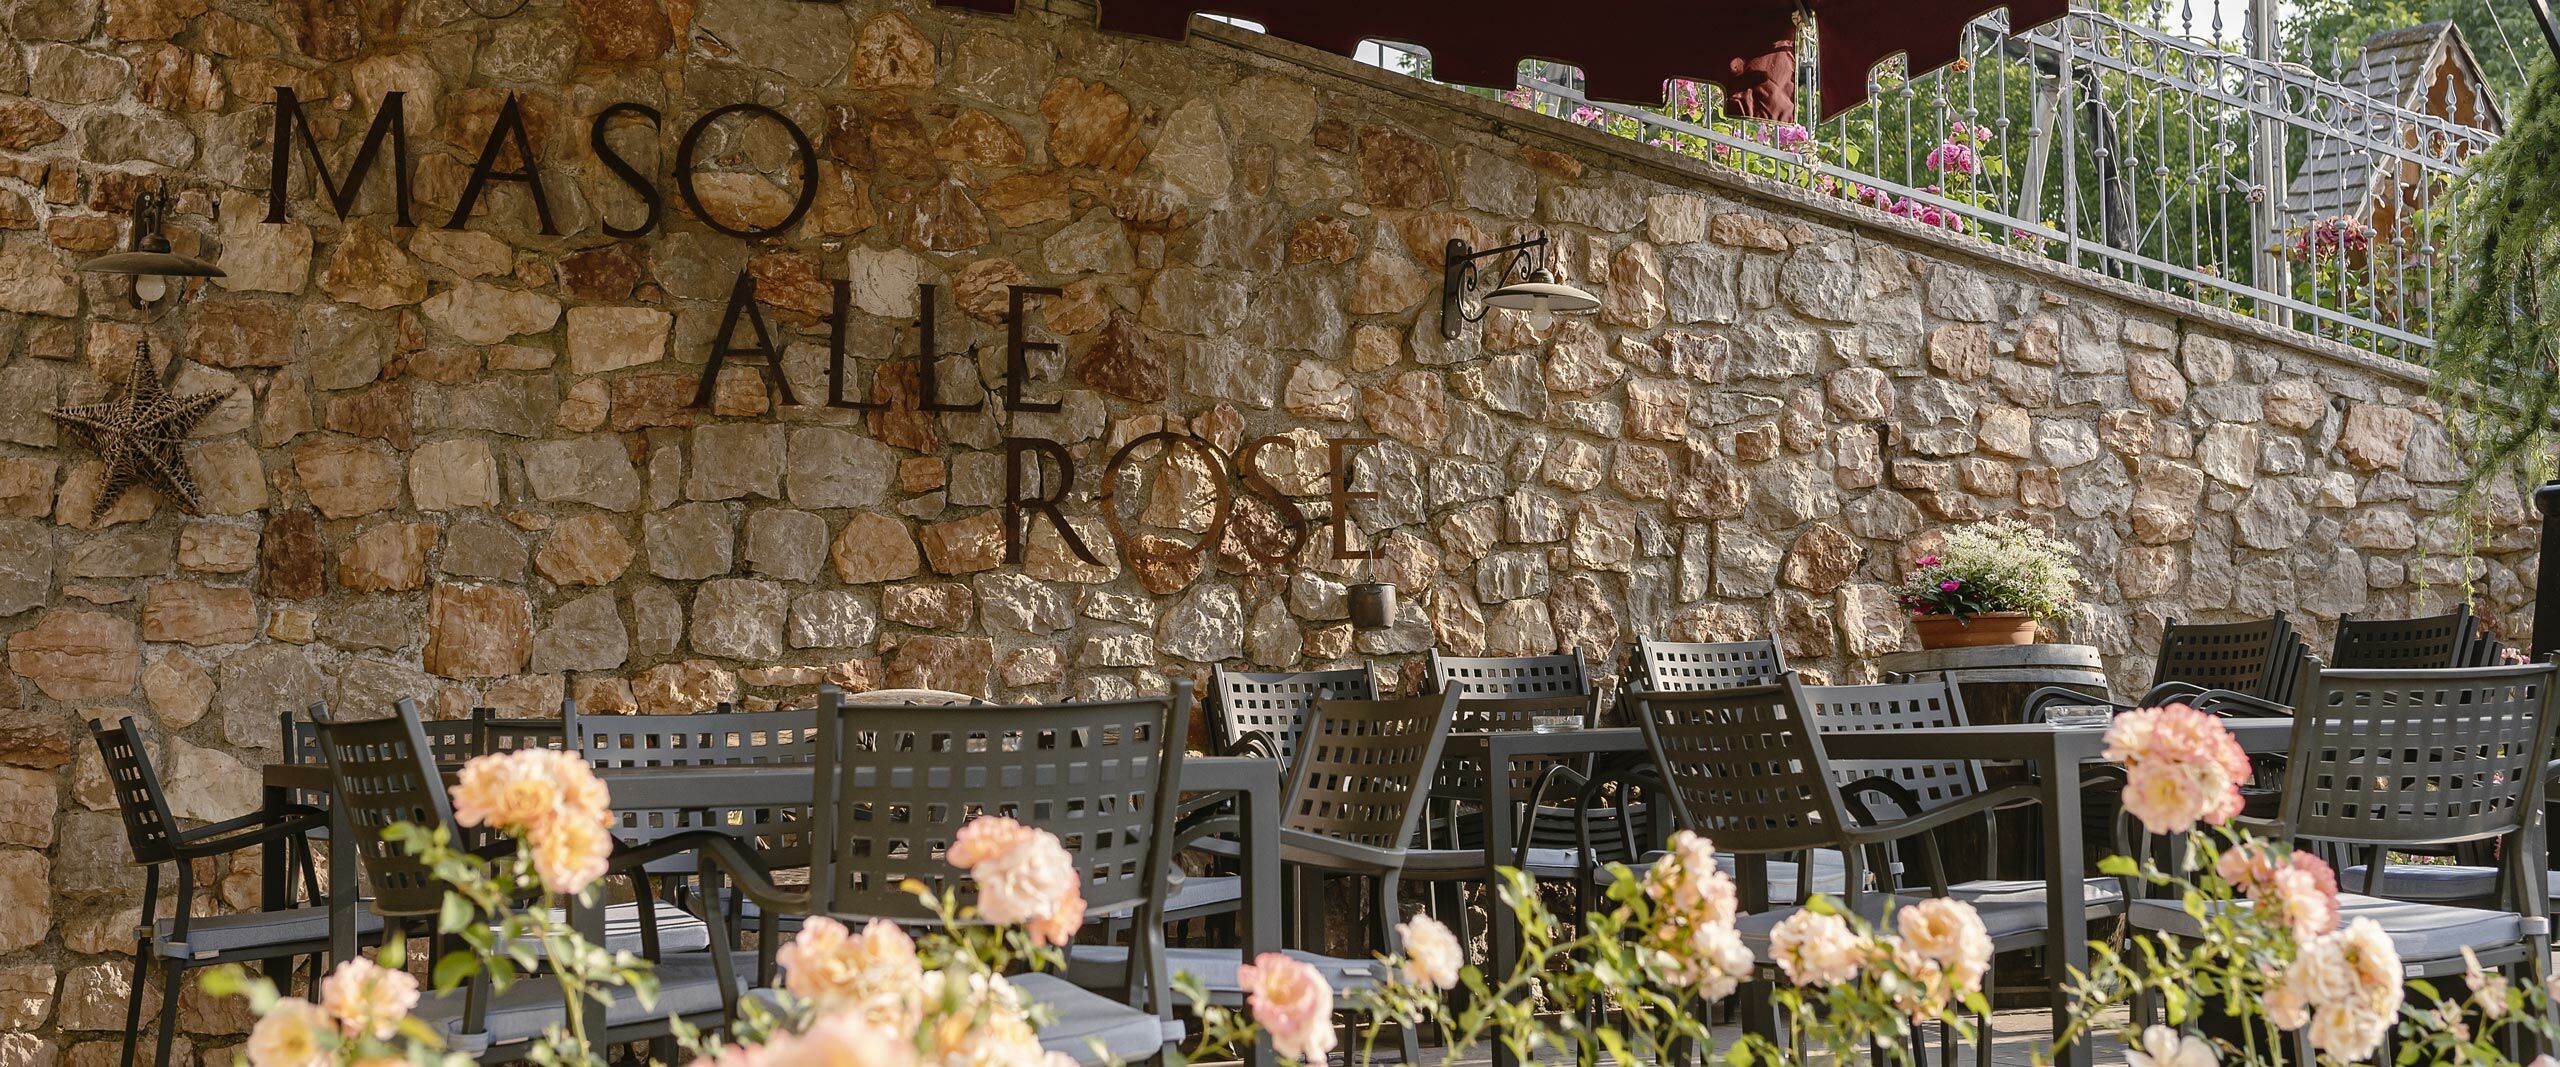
[[2498, 346], [2502, 36]]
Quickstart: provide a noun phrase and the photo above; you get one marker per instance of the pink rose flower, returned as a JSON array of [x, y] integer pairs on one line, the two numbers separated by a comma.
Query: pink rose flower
[[2181, 767], [570, 854], [873, 974], [1817, 949], [2297, 890], [293, 1033], [1024, 876], [1293, 1004], [366, 999], [1432, 955], [1950, 934]]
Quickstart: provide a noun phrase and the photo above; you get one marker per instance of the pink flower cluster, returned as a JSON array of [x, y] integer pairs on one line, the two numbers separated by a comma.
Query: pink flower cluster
[[550, 800], [2344, 985], [359, 1000], [2181, 767], [873, 974], [1693, 943], [1938, 954], [2331, 234], [1023, 876], [1954, 155], [1292, 1003], [2296, 890]]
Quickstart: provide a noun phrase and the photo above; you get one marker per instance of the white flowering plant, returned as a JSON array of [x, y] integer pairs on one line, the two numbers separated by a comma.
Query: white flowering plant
[[2003, 565]]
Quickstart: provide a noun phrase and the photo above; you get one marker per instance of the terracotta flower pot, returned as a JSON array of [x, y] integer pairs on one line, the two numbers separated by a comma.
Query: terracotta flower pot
[[1985, 628]]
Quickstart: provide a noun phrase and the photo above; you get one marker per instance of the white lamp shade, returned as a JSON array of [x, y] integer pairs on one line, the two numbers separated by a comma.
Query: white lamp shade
[[1553, 297]]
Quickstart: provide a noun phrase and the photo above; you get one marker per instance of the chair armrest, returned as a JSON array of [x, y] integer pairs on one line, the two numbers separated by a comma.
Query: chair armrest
[[1257, 743], [753, 879], [1900, 794], [1333, 854], [261, 828], [2004, 797], [2236, 705], [2167, 692]]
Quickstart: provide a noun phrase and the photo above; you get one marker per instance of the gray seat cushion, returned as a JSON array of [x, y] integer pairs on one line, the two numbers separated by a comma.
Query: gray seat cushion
[[1830, 875], [1204, 894], [2010, 925], [1101, 967], [2435, 882], [1094, 1029], [678, 929], [265, 931], [687, 986], [2419, 931], [2106, 894]]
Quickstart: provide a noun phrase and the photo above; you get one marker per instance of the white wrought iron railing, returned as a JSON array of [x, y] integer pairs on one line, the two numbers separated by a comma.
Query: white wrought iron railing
[[2170, 161]]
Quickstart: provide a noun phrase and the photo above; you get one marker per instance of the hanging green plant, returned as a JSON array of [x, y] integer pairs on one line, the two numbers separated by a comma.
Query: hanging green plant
[[2498, 348]]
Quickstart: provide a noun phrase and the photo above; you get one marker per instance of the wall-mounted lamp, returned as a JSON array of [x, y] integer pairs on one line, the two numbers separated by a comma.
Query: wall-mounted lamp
[[147, 257], [1537, 292]]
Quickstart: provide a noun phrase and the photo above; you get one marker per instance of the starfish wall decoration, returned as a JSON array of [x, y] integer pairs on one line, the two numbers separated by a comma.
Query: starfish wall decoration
[[141, 435]]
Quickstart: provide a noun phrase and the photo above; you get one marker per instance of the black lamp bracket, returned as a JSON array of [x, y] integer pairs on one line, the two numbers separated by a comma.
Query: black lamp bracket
[[1458, 277]]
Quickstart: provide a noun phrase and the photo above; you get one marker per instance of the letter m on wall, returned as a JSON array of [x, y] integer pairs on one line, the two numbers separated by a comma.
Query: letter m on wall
[[387, 120]]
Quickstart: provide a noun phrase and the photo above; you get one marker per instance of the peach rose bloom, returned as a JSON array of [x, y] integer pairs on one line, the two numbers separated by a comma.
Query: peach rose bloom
[[1432, 955], [1816, 949], [2304, 898], [1710, 961], [1686, 882], [366, 999], [839, 1040], [294, 1033], [1023, 876], [2488, 988], [517, 791], [1948, 933], [2164, 1047], [2181, 767], [570, 854], [874, 973], [1293, 1004]]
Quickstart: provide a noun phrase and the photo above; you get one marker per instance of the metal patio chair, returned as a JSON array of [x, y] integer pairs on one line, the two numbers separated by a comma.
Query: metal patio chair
[[778, 836], [1354, 798], [187, 940], [2406, 644], [894, 783], [2388, 761], [385, 774], [1682, 666], [1745, 768], [503, 734], [2232, 668], [1252, 714], [1918, 786]]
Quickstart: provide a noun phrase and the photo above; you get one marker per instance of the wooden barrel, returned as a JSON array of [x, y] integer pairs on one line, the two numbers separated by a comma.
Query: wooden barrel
[[1994, 682]]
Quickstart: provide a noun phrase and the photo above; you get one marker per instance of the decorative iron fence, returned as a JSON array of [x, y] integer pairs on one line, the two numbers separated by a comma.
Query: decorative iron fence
[[2165, 160]]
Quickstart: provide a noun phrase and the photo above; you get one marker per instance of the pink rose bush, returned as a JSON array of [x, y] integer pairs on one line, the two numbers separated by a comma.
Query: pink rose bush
[[1693, 941], [1024, 877], [2297, 890], [552, 801], [1292, 1003], [359, 1016], [2181, 767]]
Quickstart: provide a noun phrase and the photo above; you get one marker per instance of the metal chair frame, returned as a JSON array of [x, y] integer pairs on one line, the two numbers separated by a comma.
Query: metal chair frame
[[2436, 641], [158, 841], [1257, 714], [1681, 666]]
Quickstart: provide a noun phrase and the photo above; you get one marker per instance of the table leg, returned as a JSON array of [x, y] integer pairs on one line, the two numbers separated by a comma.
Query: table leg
[[275, 891], [342, 886], [1262, 876], [2067, 910], [1502, 930]]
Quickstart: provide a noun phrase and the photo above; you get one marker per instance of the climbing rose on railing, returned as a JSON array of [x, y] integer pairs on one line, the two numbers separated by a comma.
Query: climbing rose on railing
[[2181, 767]]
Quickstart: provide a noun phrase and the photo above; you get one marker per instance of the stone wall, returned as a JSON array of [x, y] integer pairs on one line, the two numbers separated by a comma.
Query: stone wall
[[462, 464]]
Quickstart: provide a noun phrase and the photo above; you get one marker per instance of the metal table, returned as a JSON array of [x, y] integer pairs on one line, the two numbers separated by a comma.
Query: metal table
[[1256, 782], [1496, 752], [2057, 753]]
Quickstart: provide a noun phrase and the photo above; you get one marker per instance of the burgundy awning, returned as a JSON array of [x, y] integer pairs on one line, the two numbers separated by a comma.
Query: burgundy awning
[[1625, 50]]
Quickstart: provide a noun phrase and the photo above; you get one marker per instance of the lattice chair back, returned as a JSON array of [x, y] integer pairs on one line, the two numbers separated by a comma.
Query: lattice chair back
[[148, 826], [385, 773], [1744, 766], [2416, 759], [1362, 769], [1511, 676], [2236, 656], [779, 835], [453, 742], [1251, 710], [2406, 644], [1682, 666], [302, 748], [1932, 783], [897, 782], [499, 734]]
